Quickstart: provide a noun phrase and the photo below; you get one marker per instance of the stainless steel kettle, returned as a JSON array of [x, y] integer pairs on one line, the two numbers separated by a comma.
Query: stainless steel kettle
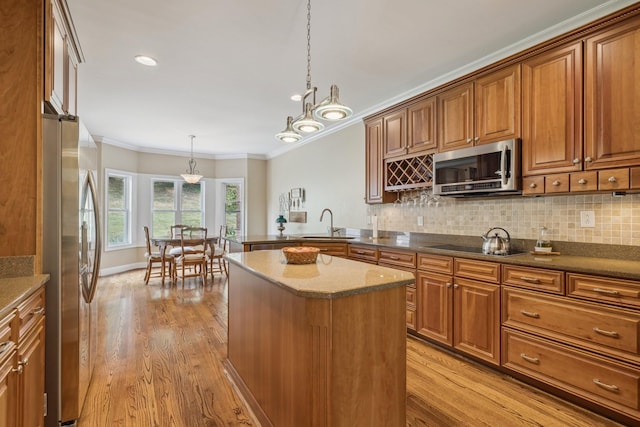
[[496, 245]]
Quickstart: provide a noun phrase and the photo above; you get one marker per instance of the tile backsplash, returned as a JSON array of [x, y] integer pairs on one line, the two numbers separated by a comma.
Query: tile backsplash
[[617, 219]]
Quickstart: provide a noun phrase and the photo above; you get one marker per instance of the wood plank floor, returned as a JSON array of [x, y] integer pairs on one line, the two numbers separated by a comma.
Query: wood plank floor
[[159, 363]]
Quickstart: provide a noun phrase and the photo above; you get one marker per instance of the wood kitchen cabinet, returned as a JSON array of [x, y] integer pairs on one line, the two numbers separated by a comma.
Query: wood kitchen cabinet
[[403, 260], [482, 111], [421, 134], [62, 55], [8, 376], [394, 133], [374, 164], [552, 112], [435, 298], [612, 96]]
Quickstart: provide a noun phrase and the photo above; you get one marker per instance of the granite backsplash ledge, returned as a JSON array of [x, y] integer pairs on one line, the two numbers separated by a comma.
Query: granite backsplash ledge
[[16, 266], [595, 250]]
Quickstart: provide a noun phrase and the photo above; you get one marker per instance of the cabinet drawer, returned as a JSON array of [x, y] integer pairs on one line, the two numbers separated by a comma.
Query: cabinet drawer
[[30, 312], [613, 179], [333, 249], [367, 253], [533, 185], [613, 331], [589, 376], [411, 295], [584, 181], [557, 183], [533, 278], [435, 263], [7, 339], [405, 259], [411, 319], [604, 289], [635, 178], [479, 270]]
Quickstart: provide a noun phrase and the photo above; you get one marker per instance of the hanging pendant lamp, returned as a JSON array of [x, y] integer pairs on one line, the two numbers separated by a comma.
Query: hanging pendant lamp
[[192, 176], [329, 109]]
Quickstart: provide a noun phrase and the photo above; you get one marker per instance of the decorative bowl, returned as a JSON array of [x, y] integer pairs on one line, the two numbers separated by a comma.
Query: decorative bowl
[[300, 254]]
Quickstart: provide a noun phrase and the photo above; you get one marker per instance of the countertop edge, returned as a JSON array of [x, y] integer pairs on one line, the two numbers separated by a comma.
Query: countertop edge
[[14, 290]]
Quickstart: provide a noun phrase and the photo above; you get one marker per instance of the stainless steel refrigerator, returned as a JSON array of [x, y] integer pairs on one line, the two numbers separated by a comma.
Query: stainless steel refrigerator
[[71, 255]]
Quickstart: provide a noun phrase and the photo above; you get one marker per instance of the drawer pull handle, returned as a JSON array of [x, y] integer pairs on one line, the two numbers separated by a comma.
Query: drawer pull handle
[[24, 362], [531, 359], [576, 161], [5, 346], [360, 252], [588, 159], [394, 257], [18, 370], [606, 291], [455, 286], [323, 250], [609, 387], [556, 183], [530, 314], [612, 334], [533, 185], [448, 285], [612, 179], [582, 181], [530, 279], [37, 311]]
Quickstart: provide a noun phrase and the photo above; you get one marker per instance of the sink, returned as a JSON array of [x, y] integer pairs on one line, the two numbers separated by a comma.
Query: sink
[[328, 237]]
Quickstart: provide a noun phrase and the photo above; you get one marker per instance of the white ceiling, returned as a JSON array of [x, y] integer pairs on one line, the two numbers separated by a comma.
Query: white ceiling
[[227, 68]]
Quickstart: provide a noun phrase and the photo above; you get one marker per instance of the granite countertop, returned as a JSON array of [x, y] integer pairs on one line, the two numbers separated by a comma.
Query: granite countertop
[[568, 261], [15, 289], [330, 277]]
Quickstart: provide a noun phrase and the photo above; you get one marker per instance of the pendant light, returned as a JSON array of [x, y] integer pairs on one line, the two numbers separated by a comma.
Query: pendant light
[[329, 109], [191, 176]]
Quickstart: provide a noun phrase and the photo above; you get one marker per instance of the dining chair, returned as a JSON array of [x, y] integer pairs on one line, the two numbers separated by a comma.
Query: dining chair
[[193, 260], [154, 258], [176, 232], [217, 263]]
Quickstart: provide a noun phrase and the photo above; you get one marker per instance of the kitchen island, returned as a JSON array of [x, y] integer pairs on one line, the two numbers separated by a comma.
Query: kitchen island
[[318, 344]]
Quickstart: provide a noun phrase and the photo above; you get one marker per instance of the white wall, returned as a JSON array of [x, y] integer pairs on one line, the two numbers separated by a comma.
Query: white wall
[[332, 172]]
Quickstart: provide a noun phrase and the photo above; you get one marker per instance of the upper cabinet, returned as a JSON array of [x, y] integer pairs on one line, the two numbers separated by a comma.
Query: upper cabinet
[[485, 110], [62, 55], [612, 96], [421, 135], [552, 111], [394, 131], [374, 164]]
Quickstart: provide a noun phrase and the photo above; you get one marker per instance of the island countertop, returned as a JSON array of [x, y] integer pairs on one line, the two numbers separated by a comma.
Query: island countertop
[[329, 277]]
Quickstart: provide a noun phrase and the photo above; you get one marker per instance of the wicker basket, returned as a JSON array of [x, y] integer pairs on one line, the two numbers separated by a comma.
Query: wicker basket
[[300, 254]]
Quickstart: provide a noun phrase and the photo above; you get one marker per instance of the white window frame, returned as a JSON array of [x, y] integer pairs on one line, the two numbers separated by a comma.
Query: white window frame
[[128, 209], [177, 183], [221, 202]]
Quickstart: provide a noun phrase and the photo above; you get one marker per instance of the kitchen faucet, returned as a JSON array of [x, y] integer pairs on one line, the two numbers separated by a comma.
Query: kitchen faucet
[[333, 230]]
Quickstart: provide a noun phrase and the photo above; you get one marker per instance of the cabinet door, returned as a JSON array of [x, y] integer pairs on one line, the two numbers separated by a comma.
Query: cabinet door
[[455, 118], [612, 96], [552, 111], [8, 390], [71, 94], [434, 307], [394, 128], [422, 126], [476, 319], [31, 381], [497, 106], [374, 175], [55, 57]]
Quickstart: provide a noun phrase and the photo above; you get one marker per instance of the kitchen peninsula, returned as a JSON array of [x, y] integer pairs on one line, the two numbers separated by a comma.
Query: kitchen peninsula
[[318, 344]]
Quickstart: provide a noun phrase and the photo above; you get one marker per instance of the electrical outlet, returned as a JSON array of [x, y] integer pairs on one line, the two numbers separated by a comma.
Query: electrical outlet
[[420, 221], [587, 219]]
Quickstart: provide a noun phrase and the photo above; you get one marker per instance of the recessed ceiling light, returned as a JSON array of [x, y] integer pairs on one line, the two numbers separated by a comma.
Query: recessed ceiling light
[[297, 97], [146, 60]]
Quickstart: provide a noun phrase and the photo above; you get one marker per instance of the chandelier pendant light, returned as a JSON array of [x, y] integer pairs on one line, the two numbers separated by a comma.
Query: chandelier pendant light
[[329, 109], [192, 176]]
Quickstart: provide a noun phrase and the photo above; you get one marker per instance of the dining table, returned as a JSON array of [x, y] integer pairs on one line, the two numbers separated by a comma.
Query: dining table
[[164, 242]]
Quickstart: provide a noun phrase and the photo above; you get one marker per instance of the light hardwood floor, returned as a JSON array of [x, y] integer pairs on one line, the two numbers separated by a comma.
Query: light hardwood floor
[[160, 353]]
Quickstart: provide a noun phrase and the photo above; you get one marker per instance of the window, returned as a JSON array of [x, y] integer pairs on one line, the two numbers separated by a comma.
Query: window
[[233, 208], [176, 202], [118, 209]]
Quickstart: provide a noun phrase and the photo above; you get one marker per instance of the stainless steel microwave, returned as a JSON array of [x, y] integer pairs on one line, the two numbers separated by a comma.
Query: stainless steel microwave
[[481, 170]]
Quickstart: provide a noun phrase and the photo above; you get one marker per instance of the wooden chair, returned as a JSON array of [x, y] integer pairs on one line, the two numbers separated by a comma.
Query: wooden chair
[[217, 263], [176, 232], [193, 260], [153, 258]]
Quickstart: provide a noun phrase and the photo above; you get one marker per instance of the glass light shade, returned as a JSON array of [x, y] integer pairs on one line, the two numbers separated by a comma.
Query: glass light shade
[[288, 134], [191, 179], [306, 123], [331, 109]]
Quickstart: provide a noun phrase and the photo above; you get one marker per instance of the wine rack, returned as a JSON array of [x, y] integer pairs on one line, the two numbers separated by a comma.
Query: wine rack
[[408, 173]]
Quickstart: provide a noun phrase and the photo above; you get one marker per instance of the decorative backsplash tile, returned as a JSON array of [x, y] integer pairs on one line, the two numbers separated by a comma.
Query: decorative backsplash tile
[[617, 219]]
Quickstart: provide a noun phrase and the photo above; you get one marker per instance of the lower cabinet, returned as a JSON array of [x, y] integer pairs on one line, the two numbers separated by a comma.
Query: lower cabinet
[[403, 260], [31, 379], [8, 370], [460, 310]]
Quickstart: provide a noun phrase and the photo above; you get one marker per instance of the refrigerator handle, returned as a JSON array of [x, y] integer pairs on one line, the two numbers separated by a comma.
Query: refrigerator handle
[[91, 184]]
